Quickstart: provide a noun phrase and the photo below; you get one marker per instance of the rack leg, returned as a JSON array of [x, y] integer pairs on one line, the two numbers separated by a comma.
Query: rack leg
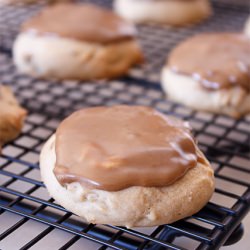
[[235, 236]]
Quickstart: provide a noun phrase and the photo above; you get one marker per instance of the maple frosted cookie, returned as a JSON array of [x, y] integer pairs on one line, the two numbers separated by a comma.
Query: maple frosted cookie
[[23, 2], [210, 72], [11, 116], [10, 2], [100, 157], [172, 12], [76, 41]]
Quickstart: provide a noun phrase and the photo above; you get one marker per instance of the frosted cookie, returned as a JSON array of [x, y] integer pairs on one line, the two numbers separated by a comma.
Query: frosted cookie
[[100, 157], [76, 41], [247, 27], [10, 2], [11, 116], [172, 12], [210, 72], [24, 2]]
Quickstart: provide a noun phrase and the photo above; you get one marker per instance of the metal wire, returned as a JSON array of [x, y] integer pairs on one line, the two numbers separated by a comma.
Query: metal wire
[[225, 141]]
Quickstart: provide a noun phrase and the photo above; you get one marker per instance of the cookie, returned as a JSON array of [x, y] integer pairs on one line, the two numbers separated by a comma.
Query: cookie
[[100, 157], [247, 27], [11, 116], [210, 72], [76, 41], [176, 13], [26, 2]]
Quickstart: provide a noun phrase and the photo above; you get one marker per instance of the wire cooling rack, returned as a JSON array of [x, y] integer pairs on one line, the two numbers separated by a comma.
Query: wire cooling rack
[[30, 219]]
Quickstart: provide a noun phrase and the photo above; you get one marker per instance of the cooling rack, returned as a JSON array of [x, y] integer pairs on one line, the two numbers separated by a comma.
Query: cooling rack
[[30, 219]]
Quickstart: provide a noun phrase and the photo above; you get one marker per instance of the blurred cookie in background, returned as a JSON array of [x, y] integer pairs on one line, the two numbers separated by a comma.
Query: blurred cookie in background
[[76, 41], [171, 12], [247, 27], [24, 2], [11, 116], [210, 72]]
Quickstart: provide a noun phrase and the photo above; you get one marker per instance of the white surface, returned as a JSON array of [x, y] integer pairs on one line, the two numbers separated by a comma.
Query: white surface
[[244, 243]]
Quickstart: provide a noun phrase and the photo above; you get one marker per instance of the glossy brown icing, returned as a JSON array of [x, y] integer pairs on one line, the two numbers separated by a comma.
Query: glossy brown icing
[[112, 148], [217, 60], [83, 22]]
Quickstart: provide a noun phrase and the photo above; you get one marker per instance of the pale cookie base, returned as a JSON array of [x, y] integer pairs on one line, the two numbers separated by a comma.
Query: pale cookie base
[[62, 58], [247, 27], [11, 116], [168, 12], [134, 206], [234, 102]]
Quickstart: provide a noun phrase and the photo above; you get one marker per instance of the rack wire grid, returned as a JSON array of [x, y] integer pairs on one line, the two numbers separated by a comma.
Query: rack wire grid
[[30, 219]]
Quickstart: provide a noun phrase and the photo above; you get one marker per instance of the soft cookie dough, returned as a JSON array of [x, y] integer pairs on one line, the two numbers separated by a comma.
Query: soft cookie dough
[[100, 157], [76, 41], [210, 72]]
